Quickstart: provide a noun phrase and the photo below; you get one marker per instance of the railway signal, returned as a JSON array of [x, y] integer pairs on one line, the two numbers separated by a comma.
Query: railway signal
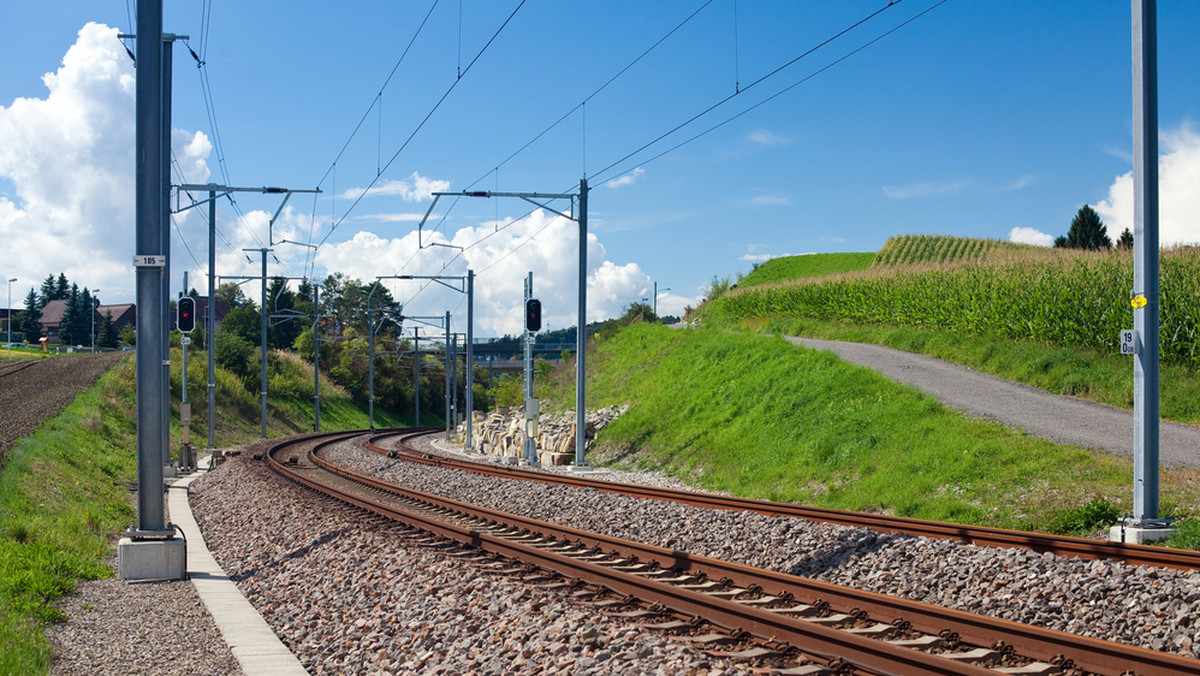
[[185, 319], [533, 315]]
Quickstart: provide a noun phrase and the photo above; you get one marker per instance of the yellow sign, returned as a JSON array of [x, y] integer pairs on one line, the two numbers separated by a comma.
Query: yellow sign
[[1138, 302]]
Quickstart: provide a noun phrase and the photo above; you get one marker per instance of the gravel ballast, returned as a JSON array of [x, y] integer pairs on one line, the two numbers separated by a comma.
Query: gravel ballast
[[350, 593], [1143, 606]]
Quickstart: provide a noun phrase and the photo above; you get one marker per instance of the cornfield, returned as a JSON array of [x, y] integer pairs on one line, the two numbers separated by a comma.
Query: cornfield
[[1067, 298], [916, 249]]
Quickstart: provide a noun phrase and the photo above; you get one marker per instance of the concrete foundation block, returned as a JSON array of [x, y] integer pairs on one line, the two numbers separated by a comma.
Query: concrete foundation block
[[1137, 535], [152, 559]]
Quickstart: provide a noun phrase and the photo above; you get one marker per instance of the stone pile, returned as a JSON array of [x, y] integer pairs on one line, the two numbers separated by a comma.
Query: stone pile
[[501, 433]]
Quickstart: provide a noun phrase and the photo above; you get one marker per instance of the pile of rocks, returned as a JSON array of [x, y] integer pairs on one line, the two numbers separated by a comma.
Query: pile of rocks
[[501, 433]]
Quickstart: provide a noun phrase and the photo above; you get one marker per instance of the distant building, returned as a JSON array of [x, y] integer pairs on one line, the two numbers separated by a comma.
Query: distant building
[[123, 314]]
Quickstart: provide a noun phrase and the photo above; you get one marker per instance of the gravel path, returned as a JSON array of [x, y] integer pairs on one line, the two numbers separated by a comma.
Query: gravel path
[[1053, 416]]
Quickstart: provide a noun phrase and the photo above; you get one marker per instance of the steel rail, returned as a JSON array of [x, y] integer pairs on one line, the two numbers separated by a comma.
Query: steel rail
[[1063, 649], [820, 642], [1096, 656], [980, 535]]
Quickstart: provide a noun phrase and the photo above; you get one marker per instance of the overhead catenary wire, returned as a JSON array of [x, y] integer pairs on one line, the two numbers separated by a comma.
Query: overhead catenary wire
[[386, 81], [750, 86], [646, 52], [772, 97], [333, 226]]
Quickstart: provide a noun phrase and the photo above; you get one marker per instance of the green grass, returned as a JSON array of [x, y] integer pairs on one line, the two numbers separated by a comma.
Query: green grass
[[63, 492], [1087, 373], [806, 267], [66, 491], [755, 416], [1064, 298]]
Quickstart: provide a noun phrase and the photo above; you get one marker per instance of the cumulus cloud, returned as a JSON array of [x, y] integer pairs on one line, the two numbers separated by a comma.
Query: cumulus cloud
[[1178, 198], [627, 179], [415, 188], [501, 254], [927, 189], [394, 218], [1030, 236], [69, 159]]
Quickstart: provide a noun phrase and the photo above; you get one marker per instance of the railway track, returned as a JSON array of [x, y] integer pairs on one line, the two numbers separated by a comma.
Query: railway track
[[787, 623], [392, 444]]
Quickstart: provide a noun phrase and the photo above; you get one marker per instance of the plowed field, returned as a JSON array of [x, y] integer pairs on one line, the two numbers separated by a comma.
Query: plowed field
[[34, 390]]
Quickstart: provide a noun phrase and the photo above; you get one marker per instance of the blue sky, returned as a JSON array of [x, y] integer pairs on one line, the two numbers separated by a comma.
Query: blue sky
[[978, 118]]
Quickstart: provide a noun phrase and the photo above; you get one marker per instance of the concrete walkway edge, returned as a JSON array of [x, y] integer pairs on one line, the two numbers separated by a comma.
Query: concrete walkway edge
[[257, 649]]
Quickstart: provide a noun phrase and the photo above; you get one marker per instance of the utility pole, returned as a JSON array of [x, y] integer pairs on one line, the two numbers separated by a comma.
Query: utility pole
[[150, 548], [581, 335], [186, 460], [531, 405], [225, 191], [450, 367], [1145, 523], [416, 376], [316, 358], [263, 338], [539, 199], [468, 288]]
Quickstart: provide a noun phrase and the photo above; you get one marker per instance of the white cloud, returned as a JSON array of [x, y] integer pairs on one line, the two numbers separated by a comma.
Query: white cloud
[[1030, 236], [1178, 197], [416, 188], [69, 159], [928, 189], [627, 179], [767, 139], [394, 218], [502, 255]]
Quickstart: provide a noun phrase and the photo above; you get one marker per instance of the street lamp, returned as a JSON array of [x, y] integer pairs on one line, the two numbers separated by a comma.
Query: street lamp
[[95, 305], [10, 315]]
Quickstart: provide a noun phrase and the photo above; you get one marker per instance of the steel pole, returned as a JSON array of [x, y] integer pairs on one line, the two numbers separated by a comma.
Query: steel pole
[[1145, 263], [470, 384], [212, 320], [416, 376], [581, 337], [165, 219], [263, 343], [316, 358], [10, 282], [371, 360], [449, 368], [149, 248]]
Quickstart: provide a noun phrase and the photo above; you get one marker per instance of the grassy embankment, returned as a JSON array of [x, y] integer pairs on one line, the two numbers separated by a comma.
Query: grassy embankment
[[756, 416], [65, 492], [753, 415], [1047, 318]]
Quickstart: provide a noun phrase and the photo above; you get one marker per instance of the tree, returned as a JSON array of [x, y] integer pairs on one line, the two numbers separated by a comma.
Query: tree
[[281, 333], [232, 293], [61, 287], [71, 330], [31, 319], [1087, 231], [1125, 241], [128, 335], [243, 322], [106, 336]]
